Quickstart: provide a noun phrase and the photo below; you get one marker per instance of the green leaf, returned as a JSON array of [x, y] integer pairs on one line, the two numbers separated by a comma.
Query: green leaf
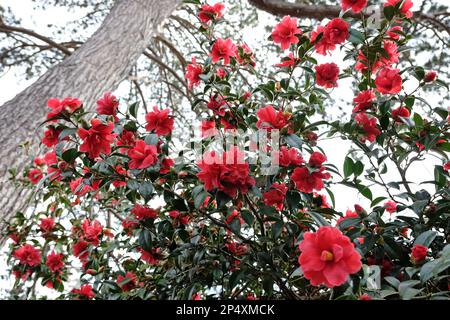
[[319, 219], [146, 190], [133, 108], [70, 155], [199, 199], [348, 167], [389, 12], [426, 238]]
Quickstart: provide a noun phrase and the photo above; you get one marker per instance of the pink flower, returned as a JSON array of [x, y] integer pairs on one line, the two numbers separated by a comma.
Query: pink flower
[[327, 75], [308, 182], [419, 253], [369, 125], [54, 261], [393, 32], [324, 45], [336, 31], [364, 100], [97, 139], [328, 257], [355, 5], [390, 206], [223, 49], [194, 70], [143, 212], [285, 33], [28, 255], [269, 118], [108, 105], [404, 9], [159, 121], [35, 175], [389, 81], [142, 155], [211, 13], [400, 112], [290, 157], [287, 62], [276, 195], [47, 224], [85, 291]]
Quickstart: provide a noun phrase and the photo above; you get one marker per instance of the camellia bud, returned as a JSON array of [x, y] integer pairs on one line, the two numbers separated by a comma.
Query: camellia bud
[[418, 253], [430, 76]]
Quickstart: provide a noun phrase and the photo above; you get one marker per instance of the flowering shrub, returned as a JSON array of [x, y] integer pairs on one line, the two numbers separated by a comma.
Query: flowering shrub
[[120, 214]]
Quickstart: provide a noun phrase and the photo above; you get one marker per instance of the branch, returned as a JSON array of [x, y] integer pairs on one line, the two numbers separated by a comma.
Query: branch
[[281, 8], [10, 29]]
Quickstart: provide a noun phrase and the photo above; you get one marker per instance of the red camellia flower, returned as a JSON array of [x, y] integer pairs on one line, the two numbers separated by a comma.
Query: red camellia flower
[[227, 172], [364, 100], [405, 8], [369, 125], [365, 297], [80, 188], [390, 206], [446, 166], [159, 121], [210, 13], [328, 257], [127, 138], [317, 159], [285, 33], [194, 70], [288, 61], [391, 49], [28, 255], [80, 250], [68, 105], [92, 231], [348, 215], [127, 282], [97, 139], [269, 118], [355, 5], [308, 182], [35, 175], [290, 157], [150, 257], [108, 105], [245, 56], [223, 49], [54, 261], [324, 45], [276, 195], [217, 104], [394, 32], [400, 112], [389, 81], [85, 291], [430, 76], [208, 128], [51, 135], [237, 249], [327, 75], [143, 212], [418, 253], [47, 224], [142, 155], [336, 31]]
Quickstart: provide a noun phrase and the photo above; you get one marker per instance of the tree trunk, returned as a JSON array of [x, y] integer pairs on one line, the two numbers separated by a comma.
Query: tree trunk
[[97, 66]]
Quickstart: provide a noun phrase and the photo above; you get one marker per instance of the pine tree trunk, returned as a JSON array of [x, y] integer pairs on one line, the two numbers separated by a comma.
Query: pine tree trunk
[[96, 67]]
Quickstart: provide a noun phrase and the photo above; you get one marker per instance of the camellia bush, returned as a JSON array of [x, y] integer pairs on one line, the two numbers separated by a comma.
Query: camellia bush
[[117, 214]]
